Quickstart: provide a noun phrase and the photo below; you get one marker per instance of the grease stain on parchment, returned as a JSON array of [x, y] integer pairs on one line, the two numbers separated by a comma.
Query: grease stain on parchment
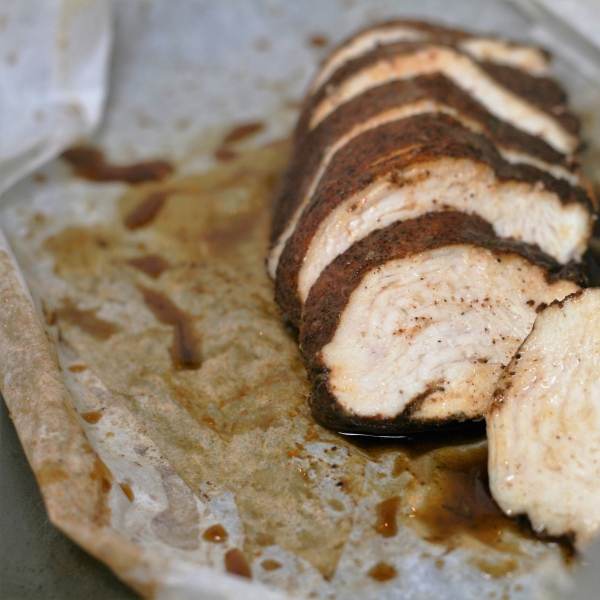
[[90, 163], [240, 423], [86, 320]]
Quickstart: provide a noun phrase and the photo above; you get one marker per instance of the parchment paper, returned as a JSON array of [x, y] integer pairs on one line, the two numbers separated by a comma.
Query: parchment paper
[[54, 68], [138, 459]]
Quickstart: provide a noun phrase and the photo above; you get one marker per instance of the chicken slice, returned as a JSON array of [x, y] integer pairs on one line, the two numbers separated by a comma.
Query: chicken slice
[[411, 327], [543, 92], [421, 164], [529, 58], [384, 104], [406, 60], [544, 423]]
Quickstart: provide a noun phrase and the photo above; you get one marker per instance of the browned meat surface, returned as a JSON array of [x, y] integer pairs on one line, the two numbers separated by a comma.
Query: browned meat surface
[[433, 204], [397, 100], [426, 163], [411, 327], [532, 59]]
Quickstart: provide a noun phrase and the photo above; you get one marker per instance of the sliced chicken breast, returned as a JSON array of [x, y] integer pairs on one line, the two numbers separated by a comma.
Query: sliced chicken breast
[[411, 327], [421, 164], [407, 60], [518, 157], [364, 42], [529, 58], [392, 102], [544, 423], [543, 92]]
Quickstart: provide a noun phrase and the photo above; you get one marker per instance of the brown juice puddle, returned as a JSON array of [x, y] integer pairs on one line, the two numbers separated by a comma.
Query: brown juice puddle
[[241, 132], [387, 524], [448, 491], [91, 417], [103, 474], [152, 265], [128, 491], [185, 349], [89, 163], [235, 562], [497, 569], [77, 368], [459, 501], [225, 240], [215, 534], [318, 41], [81, 252], [145, 212], [86, 320], [225, 152], [270, 565], [382, 572]]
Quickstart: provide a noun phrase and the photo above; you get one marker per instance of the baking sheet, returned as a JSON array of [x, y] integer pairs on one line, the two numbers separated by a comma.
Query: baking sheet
[[184, 73]]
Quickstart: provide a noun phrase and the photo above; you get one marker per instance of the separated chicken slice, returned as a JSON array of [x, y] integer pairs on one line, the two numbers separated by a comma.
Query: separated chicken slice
[[520, 105], [392, 102], [411, 327], [544, 423], [403, 169], [529, 58]]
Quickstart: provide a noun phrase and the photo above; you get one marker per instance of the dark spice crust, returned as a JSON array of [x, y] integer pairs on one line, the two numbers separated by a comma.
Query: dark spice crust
[[519, 82], [343, 72], [543, 92], [435, 32], [374, 155], [560, 303], [309, 154], [444, 35], [329, 413], [331, 293]]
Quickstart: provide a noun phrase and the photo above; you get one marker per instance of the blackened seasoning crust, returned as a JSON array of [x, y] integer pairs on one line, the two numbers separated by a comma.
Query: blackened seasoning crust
[[331, 294], [530, 58], [543, 92], [516, 81], [408, 309], [443, 35], [345, 71], [310, 153], [391, 149]]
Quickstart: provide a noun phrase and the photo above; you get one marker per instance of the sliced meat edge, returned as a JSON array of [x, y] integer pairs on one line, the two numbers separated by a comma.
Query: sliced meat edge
[[529, 58], [464, 72], [425, 163], [390, 102], [411, 327], [544, 423]]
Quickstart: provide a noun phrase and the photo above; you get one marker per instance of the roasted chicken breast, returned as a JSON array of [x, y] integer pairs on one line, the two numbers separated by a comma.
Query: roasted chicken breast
[[508, 93], [383, 104], [411, 327], [416, 165], [433, 204], [529, 58]]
